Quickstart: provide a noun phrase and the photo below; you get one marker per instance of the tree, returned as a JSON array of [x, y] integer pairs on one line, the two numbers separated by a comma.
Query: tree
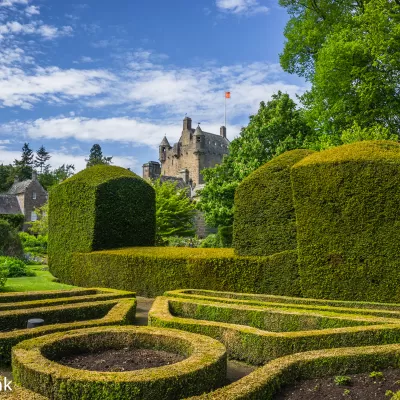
[[277, 127], [7, 173], [174, 211], [53, 177], [24, 166], [96, 157], [41, 225], [350, 51], [42, 156]]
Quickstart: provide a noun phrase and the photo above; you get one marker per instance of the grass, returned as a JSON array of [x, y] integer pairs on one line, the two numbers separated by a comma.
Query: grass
[[43, 280]]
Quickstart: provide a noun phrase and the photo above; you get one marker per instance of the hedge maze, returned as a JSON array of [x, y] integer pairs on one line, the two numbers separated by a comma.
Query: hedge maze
[[61, 311]]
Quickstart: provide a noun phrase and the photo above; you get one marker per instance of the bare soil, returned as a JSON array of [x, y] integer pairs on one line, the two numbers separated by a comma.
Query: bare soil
[[360, 387], [121, 360]]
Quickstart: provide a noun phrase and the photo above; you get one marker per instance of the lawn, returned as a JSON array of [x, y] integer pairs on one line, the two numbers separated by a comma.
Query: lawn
[[42, 281]]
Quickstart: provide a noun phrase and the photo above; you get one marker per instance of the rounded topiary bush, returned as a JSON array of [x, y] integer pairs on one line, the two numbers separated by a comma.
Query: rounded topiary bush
[[35, 365], [101, 207], [264, 220], [10, 243], [347, 202]]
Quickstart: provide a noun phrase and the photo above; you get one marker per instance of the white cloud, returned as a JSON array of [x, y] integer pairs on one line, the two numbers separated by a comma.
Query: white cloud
[[34, 28], [32, 10], [248, 7], [10, 3]]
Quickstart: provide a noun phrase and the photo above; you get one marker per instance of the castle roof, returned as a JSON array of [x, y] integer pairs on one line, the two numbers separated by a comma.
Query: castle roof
[[165, 142], [19, 187], [198, 131]]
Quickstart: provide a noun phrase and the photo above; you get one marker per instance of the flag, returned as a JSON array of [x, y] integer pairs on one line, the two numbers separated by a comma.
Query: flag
[[227, 95]]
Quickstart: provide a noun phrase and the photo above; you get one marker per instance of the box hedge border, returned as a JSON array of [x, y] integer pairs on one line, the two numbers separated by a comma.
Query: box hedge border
[[203, 370], [151, 271], [257, 346], [121, 312]]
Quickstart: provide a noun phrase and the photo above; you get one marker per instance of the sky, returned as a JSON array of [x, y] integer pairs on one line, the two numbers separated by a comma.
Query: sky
[[125, 73]]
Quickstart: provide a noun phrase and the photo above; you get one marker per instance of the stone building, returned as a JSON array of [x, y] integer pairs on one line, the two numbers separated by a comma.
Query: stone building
[[22, 198], [194, 151], [184, 161]]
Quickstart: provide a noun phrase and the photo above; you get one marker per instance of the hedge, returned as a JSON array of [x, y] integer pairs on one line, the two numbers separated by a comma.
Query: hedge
[[264, 220], [35, 365], [152, 271], [347, 202], [15, 220], [63, 316], [246, 341], [101, 207], [10, 243]]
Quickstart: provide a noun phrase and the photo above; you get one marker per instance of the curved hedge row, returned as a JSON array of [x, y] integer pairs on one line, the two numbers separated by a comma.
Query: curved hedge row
[[62, 314], [152, 271], [101, 207], [35, 365], [264, 220], [292, 328], [347, 202]]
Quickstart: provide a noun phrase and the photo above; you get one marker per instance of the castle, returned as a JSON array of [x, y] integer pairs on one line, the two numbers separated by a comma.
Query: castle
[[185, 160]]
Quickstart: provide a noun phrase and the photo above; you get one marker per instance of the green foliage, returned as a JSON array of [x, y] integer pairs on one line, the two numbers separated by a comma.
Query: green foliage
[[42, 156], [15, 267], [10, 243], [3, 276], [50, 178], [34, 245], [265, 221], [179, 241], [101, 207], [96, 157], [375, 132], [277, 127], [221, 239], [41, 225], [342, 380], [376, 375], [15, 220], [153, 270], [347, 201], [211, 241], [174, 211], [350, 51], [7, 173], [24, 166]]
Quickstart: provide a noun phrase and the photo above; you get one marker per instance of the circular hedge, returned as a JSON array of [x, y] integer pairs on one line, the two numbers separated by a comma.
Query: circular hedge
[[101, 207], [264, 222], [35, 365], [347, 202]]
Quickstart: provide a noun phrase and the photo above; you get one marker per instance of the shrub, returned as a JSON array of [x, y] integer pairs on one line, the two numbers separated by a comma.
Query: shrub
[[15, 267], [211, 241], [177, 241], [10, 243], [342, 380], [3, 276], [34, 245], [15, 220], [264, 222], [347, 201], [221, 239], [152, 271], [101, 207]]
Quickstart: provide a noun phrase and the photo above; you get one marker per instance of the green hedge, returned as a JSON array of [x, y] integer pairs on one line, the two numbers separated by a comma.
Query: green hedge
[[347, 202], [61, 316], [264, 220], [10, 243], [152, 271], [101, 207], [204, 368], [15, 220], [238, 325]]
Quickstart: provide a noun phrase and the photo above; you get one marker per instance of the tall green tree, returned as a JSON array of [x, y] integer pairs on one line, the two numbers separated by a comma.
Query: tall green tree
[[350, 52], [53, 177], [24, 166], [7, 173], [96, 157], [174, 211], [40, 162], [277, 127]]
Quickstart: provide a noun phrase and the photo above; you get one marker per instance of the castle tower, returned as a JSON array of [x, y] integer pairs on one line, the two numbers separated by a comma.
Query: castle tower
[[163, 148], [151, 170]]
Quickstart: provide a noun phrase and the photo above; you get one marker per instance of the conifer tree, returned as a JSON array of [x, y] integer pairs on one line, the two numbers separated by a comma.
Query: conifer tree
[[96, 157], [24, 166], [42, 156]]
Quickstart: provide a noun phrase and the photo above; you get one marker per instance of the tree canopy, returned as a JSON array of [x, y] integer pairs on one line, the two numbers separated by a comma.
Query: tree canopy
[[96, 157]]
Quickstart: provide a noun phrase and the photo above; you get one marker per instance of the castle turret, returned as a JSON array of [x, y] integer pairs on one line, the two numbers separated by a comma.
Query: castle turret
[[222, 131], [198, 138], [164, 146], [187, 124]]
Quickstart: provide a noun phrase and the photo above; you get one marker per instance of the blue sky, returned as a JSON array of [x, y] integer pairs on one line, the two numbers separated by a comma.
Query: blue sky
[[124, 73]]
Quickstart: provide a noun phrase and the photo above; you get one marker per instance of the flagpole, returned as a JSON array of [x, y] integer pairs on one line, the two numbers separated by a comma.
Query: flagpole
[[225, 108]]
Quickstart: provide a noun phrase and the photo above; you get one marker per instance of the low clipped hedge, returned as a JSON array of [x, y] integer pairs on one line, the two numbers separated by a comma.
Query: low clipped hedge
[[35, 365], [101, 207], [347, 202], [246, 341], [152, 271], [265, 221], [60, 315]]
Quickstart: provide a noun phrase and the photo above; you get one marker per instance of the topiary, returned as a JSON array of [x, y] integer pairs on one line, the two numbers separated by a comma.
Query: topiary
[[264, 220], [347, 202], [10, 243], [101, 207]]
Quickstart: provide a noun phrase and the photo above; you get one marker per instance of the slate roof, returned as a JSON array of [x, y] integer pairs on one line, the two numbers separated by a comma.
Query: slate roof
[[19, 187], [165, 142], [9, 204], [180, 184]]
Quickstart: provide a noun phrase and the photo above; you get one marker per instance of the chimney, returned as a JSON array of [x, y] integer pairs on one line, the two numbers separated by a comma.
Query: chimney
[[187, 124], [184, 173], [16, 180], [222, 131], [34, 175]]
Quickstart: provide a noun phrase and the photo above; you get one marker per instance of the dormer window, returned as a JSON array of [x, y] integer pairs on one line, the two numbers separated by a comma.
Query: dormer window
[[34, 195], [198, 138]]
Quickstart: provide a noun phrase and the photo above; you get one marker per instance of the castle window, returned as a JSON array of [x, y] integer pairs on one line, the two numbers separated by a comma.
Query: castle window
[[33, 216], [198, 139], [34, 195]]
